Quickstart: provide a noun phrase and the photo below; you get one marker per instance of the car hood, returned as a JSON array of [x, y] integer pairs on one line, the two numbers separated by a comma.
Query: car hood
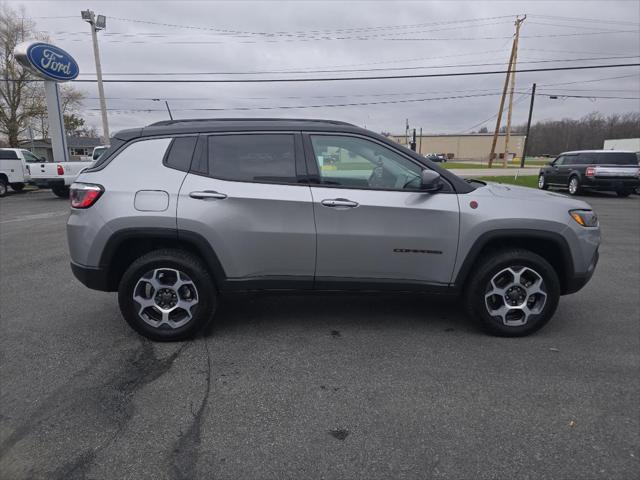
[[532, 194]]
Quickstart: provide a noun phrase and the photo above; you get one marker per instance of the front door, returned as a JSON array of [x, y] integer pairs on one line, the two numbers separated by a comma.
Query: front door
[[243, 198], [373, 222]]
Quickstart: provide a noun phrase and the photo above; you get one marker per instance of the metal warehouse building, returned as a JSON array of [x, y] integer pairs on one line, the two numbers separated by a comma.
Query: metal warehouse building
[[473, 146]]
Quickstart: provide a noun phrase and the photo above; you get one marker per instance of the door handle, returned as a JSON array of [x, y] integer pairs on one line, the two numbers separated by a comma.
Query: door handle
[[207, 194], [339, 202]]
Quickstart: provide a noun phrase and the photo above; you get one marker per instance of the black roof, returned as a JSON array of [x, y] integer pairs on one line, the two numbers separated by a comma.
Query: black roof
[[202, 125]]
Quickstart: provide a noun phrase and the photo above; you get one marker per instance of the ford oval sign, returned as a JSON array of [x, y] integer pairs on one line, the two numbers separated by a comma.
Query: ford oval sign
[[47, 61]]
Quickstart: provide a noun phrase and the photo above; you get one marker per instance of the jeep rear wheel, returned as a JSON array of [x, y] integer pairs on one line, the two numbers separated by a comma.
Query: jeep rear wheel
[[513, 293], [167, 295]]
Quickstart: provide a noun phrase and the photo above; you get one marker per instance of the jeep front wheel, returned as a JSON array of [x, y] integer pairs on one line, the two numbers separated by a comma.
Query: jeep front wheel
[[513, 293], [167, 295]]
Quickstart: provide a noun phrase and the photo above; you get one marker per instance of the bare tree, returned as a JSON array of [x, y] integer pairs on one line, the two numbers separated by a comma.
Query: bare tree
[[22, 100], [589, 132], [18, 99]]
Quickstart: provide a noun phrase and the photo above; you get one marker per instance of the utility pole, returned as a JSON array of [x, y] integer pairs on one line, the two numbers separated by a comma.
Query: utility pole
[[503, 96], [511, 89], [526, 139], [420, 147], [413, 140], [97, 24]]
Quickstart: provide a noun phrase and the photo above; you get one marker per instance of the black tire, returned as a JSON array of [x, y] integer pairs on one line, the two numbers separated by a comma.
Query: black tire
[[60, 191], [189, 265], [480, 282], [623, 193], [577, 190], [542, 183], [3, 187], [17, 187]]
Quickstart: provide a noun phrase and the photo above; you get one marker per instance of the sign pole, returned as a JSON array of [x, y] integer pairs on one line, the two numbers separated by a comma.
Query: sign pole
[[56, 122]]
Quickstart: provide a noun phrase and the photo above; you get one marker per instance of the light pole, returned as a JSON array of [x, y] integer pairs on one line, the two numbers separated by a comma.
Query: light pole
[[167, 104], [98, 23]]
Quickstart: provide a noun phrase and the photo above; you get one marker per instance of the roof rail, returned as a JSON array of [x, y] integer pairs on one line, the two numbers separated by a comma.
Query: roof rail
[[191, 120]]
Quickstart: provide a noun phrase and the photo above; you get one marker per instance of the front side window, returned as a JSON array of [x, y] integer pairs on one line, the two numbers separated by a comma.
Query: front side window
[[359, 163], [253, 158], [559, 161]]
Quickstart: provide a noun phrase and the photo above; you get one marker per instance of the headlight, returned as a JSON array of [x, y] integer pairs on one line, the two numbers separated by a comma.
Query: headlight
[[586, 218]]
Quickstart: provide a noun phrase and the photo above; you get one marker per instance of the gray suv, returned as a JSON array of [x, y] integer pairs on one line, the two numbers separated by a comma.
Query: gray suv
[[175, 214]]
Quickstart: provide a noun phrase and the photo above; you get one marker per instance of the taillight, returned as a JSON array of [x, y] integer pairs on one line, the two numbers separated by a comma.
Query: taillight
[[83, 195], [590, 172], [60, 170]]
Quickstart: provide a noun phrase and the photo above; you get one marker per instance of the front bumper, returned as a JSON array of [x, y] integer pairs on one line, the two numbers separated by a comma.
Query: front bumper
[[579, 280]]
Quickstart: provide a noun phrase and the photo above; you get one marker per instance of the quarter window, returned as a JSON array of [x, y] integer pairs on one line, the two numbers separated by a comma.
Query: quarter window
[[253, 158], [180, 152], [358, 163]]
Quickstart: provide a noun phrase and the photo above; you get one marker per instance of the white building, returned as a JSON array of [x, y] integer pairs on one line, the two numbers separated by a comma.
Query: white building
[[632, 144]]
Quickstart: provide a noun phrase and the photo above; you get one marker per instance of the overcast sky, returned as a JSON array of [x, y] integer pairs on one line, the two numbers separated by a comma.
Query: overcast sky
[[244, 36]]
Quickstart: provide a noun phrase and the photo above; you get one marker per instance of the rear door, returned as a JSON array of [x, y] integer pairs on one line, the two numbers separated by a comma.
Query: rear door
[[374, 224], [243, 196]]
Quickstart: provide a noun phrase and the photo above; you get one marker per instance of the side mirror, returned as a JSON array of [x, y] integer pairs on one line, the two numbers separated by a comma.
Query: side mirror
[[430, 181]]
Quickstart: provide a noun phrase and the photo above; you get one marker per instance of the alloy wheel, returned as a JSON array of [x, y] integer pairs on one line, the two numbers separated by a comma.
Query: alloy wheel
[[541, 181], [166, 298], [514, 294], [573, 186]]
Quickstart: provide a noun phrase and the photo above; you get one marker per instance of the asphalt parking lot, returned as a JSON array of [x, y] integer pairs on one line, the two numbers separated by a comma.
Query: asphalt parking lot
[[321, 386]]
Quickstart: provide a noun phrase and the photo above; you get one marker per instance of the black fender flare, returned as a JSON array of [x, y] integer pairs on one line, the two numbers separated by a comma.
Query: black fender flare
[[192, 239], [516, 234]]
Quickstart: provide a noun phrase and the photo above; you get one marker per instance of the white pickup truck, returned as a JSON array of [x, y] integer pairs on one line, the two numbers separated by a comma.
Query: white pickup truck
[[23, 167], [14, 169], [57, 176]]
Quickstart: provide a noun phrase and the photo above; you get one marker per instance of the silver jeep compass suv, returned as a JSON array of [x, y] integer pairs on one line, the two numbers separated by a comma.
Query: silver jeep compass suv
[[177, 213]]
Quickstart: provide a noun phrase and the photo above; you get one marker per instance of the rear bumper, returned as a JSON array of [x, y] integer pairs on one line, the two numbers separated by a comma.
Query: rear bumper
[[48, 182], [577, 281], [610, 184], [95, 278]]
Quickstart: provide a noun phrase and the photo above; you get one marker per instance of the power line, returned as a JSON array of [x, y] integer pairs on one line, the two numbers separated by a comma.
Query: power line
[[341, 79], [307, 32], [283, 38], [586, 20], [329, 105], [365, 69], [591, 80], [614, 32], [515, 102]]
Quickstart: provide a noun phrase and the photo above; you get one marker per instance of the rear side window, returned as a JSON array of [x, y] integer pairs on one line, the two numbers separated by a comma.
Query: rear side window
[[179, 154], [609, 158], [253, 158], [8, 155]]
